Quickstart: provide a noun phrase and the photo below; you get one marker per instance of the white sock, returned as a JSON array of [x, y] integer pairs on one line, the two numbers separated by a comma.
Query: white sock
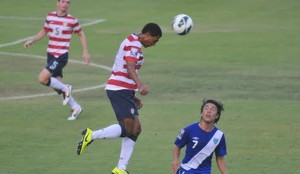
[[56, 84], [73, 104], [126, 152], [112, 131]]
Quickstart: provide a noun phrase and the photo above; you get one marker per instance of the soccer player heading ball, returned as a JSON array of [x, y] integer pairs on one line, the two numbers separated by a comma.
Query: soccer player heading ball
[[121, 90]]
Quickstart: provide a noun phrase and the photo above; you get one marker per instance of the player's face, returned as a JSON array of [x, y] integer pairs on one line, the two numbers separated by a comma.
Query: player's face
[[210, 112], [63, 5], [150, 40]]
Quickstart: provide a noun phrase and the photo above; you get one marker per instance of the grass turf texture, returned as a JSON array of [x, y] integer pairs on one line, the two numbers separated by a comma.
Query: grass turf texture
[[244, 53]]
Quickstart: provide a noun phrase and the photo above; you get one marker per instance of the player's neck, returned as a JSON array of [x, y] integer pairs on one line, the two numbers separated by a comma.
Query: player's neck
[[60, 13], [206, 126]]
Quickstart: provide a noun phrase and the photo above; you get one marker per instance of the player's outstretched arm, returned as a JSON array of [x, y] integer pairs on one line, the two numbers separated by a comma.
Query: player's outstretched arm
[[35, 38]]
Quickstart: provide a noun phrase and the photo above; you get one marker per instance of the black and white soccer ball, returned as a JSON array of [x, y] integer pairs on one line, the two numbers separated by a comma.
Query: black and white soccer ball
[[182, 24]]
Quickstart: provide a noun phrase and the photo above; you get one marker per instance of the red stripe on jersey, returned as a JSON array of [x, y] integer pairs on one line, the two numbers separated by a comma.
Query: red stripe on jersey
[[134, 59], [118, 73], [75, 25], [67, 32], [131, 59], [48, 29], [77, 31], [59, 39], [128, 48], [136, 66], [121, 84], [131, 38], [58, 47], [55, 54]]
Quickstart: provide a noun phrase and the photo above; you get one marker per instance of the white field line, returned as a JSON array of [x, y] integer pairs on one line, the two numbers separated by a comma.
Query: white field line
[[15, 42], [53, 93], [44, 57], [50, 94], [92, 22], [25, 39], [21, 18]]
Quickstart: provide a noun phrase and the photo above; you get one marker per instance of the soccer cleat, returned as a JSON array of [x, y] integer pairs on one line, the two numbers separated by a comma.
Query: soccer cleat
[[75, 113], [85, 141], [119, 171], [67, 94]]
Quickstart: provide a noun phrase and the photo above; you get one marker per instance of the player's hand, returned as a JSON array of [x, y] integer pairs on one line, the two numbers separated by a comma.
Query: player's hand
[[143, 90], [28, 43], [175, 166], [138, 103], [86, 56]]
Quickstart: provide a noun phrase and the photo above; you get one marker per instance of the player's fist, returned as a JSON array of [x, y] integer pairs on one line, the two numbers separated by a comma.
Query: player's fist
[[28, 43], [138, 103], [143, 90]]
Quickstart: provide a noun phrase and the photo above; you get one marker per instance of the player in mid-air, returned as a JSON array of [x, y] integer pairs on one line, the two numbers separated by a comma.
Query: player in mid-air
[[120, 89], [60, 26], [201, 139]]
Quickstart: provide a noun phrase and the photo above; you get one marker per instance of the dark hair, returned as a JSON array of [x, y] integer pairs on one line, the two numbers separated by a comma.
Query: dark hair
[[219, 105], [153, 29]]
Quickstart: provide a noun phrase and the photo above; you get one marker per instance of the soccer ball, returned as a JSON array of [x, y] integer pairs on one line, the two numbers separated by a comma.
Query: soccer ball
[[182, 24]]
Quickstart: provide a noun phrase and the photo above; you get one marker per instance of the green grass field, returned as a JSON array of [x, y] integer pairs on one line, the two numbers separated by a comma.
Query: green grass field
[[244, 53]]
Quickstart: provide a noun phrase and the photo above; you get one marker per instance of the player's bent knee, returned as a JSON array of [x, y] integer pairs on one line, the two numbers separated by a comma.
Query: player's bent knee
[[133, 138], [43, 81]]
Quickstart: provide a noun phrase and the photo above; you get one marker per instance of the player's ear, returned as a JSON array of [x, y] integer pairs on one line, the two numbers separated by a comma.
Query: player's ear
[[148, 35]]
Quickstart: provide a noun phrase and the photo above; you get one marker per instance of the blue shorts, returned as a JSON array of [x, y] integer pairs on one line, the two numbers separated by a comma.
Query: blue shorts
[[123, 103], [55, 65]]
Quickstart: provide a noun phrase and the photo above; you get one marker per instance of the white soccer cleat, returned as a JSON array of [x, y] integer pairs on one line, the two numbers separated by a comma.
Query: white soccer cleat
[[75, 113], [67, 94]]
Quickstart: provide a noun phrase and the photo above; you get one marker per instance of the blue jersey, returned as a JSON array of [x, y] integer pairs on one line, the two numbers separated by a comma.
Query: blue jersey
[[200, 146]]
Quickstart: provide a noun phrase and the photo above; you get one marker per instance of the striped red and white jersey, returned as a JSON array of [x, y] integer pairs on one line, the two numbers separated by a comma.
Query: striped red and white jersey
[[60, 30], [130, 50]]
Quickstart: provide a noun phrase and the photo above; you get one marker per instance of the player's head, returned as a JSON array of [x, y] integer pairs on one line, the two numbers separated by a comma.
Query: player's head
[[151, 33], [153, 29], [219, 106], [63, 5]]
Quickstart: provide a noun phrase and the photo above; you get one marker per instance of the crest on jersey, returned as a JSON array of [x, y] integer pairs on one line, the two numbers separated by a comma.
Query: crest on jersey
[[65, 23], [180, 134], [134, 52], [215, 140]]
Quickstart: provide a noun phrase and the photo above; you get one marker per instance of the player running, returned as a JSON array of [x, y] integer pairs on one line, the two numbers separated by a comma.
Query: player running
[[60, 26]]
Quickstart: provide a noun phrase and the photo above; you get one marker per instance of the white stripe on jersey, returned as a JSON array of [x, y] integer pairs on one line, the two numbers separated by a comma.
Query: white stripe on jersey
[[204, 153]]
